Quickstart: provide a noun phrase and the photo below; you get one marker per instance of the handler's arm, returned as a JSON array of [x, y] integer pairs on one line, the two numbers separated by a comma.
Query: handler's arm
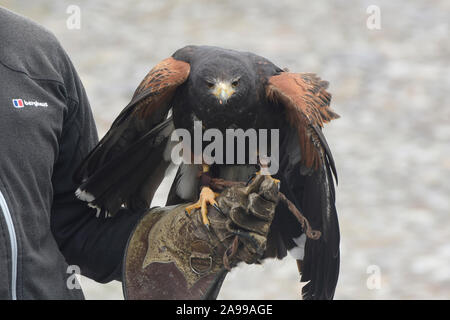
[[95, 245]]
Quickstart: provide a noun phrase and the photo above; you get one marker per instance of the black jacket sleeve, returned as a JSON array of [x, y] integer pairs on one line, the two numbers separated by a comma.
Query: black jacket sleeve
[[96, 245]]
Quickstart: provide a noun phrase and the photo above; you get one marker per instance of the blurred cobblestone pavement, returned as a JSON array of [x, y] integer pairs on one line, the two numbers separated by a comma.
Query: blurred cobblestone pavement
[[391, 87]]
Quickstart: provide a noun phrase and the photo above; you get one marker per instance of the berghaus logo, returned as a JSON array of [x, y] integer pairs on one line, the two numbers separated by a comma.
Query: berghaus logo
[[20, 103]]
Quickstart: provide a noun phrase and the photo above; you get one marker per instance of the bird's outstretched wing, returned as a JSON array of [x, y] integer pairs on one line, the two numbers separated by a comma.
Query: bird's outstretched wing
[[127, 165], [306, 169], [307, 105]]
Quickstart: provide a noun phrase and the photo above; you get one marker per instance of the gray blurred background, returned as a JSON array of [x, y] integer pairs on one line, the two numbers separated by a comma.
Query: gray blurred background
[[392, 144]]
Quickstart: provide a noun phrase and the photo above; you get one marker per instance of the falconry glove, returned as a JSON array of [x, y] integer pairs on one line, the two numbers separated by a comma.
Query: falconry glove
[[171, 255]]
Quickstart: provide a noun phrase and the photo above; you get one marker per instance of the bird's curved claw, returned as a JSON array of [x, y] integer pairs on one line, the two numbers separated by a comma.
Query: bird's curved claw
[[218, 209], [250, 179]]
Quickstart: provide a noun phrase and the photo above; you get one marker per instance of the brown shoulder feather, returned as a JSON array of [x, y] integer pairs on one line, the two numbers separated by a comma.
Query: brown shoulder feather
[[307, 105], [159, 85]]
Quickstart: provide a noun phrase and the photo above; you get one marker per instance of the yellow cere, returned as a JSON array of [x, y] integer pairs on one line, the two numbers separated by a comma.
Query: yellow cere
[[223, 90]]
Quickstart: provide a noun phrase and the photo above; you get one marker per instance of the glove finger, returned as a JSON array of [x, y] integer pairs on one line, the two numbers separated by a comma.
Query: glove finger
[[231, 197], [240, 217], [249, 252], [253, 246], [261, 208]]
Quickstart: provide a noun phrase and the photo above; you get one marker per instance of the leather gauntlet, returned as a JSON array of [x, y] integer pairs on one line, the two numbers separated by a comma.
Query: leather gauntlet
[[174, 256]]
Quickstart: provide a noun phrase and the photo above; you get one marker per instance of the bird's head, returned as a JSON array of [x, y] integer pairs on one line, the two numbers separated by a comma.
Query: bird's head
[[223, 89]]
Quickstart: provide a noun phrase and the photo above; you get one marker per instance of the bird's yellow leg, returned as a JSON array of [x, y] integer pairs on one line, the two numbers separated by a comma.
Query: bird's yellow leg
[[207, 197]]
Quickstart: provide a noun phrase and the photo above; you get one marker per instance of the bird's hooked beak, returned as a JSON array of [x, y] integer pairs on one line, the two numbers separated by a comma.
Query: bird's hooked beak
[[223, 91]]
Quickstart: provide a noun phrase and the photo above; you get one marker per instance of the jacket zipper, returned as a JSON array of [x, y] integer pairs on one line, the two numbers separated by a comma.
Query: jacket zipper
[[13, 241]]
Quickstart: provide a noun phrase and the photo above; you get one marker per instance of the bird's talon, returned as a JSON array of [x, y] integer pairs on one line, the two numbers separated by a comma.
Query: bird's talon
[[189, 209], [207, 197], [277, 181], [218, 209], [250, 179]]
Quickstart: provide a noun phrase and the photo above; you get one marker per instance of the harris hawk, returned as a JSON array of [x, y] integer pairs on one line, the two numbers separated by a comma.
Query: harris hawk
[[226, 89]]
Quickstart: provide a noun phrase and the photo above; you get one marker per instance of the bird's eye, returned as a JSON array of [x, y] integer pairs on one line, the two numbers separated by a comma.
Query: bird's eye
[[210, 84], [235, 83]]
